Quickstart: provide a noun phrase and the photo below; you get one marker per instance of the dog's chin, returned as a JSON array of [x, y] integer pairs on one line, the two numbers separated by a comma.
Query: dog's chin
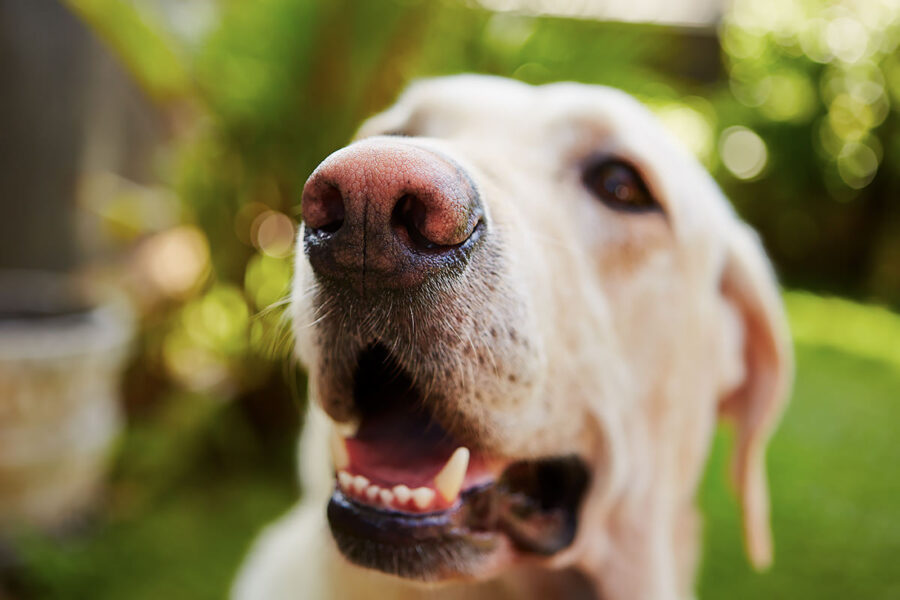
[[428, 548], [411, 500]]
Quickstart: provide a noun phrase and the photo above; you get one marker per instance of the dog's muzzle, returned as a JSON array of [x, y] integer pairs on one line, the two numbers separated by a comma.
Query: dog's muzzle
[[414, 500], [417, 494]]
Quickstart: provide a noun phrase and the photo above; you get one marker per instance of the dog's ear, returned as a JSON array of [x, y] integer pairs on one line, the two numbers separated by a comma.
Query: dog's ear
[[751, 293]]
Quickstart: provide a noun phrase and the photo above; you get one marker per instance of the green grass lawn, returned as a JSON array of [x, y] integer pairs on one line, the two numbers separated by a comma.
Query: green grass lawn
[[833, 467], [187, 547]]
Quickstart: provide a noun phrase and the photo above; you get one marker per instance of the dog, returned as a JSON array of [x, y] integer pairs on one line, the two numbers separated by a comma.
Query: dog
[[523, 311]]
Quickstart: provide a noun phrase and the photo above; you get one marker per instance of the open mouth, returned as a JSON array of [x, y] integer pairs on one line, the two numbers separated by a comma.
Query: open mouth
[[411, 500]]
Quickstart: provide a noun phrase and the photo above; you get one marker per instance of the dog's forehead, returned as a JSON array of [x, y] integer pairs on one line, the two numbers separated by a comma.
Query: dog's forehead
[[556, 125], [478, 104]]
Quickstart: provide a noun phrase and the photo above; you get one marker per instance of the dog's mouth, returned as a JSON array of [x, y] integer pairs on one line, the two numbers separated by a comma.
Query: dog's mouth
[[411, 500]]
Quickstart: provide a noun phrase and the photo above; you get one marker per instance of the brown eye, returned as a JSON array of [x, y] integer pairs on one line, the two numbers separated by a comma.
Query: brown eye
[[619, 186]]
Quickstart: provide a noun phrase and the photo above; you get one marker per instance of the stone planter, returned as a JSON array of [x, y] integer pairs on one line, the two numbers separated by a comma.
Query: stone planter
[[60, 365]]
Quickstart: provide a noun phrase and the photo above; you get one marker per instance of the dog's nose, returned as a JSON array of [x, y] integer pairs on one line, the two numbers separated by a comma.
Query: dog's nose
[[387, 213]]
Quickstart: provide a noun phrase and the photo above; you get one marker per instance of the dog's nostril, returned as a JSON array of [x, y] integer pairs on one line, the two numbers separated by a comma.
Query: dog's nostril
[[409, 214], [325, 212], [389, 214]]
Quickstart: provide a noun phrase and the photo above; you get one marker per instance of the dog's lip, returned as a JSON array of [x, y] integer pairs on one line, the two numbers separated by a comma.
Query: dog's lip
[[425, 546], [409, 527], [516, 506]]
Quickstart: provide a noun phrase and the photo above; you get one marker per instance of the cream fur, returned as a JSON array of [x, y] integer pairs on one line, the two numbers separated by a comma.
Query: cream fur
[[621, 337]]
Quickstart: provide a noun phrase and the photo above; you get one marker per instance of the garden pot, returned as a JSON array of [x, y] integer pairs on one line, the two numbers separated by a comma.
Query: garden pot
[[61, 359]]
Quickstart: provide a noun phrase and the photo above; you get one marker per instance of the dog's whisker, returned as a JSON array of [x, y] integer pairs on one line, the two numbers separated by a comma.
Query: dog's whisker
[[319, 319]]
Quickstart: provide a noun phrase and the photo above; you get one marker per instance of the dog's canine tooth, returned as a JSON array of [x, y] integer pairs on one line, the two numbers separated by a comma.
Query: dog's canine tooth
[[345, 480], [339, 453], [347, 429], [422, 497], [372, 492], [360, 484], [449, 481], [402, 493], [386, 497]]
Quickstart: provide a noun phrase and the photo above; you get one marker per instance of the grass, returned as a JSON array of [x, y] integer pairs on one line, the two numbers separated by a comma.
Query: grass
[[188, 546], [835, 487], [833, 468]]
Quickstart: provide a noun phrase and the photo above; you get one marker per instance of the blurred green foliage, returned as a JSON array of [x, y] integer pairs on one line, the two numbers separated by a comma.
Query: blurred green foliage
[[820, 82], [796, 114]]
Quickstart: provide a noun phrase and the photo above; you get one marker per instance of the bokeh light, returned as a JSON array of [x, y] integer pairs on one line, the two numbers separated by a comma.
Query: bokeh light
[[209, 336], [690, 122], [174, 260], [828, 70], [273, 233], [743, 152], [857, 164], [787, 95], [267, 279]]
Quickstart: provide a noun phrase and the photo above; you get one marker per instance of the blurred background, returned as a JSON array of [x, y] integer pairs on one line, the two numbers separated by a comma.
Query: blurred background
[[152, 154]]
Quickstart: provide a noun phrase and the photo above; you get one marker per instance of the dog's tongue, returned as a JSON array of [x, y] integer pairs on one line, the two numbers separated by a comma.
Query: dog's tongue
[[400, 447], [408, 447]]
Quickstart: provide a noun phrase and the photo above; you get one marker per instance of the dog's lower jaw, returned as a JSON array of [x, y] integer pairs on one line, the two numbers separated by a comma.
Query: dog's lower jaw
[[521, 584], [297, 559], [663, 579], [526, 582]]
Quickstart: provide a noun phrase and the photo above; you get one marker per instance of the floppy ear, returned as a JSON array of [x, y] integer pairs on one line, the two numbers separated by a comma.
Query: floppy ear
[[749, 287]]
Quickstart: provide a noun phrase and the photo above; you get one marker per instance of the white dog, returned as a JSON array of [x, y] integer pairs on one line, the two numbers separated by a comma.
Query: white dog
[[522, 310]]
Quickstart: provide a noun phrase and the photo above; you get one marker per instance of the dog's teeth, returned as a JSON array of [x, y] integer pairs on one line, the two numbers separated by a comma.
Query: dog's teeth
[[386, 497], [360, 484], [449, 481], [339, 451], [347, 429], [372, 492], [422, 497], [345, 480], [402, 493]]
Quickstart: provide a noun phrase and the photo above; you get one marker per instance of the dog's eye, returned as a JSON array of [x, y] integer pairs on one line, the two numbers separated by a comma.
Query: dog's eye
[[619, 185]]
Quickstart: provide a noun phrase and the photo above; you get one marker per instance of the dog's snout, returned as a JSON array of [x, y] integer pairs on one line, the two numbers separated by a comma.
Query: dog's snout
[[388, 213]]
